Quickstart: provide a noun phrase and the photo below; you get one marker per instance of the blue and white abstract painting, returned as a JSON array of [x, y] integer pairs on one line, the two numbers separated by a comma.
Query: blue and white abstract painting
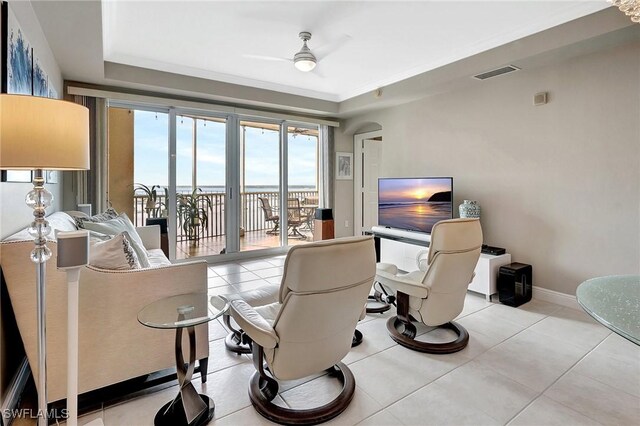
[[40, 80], [20, 59], [52, 92]]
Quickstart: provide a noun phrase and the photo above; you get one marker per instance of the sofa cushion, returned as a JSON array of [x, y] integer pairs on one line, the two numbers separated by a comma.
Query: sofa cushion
[[116, 226], [115, 253], [157, 258], [108, 214]]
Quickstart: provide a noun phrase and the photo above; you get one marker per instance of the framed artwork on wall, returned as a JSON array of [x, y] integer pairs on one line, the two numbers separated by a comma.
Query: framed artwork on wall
[[17, 55], [23, 176], [344, 165], [52, 176], [40, 80], [3, 46]]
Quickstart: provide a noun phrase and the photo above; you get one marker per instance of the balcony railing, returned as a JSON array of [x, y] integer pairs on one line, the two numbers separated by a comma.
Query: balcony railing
[[252, 215]]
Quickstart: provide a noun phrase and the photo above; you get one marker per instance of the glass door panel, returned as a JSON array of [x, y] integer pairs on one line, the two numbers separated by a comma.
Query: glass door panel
[[200, 186], [302, 150], [150, 171], [259, 219]]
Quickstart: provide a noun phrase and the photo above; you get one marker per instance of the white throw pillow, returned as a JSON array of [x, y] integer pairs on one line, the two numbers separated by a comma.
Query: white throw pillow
[[80, 218], [118, 225], [115, 253]]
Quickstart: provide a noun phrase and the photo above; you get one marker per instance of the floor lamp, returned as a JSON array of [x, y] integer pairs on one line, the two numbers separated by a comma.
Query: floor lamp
[[42, 134]]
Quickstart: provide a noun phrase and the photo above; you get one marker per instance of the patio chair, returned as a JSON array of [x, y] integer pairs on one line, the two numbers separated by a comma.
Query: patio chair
[[309, 206], [295, 218], [269, 216]]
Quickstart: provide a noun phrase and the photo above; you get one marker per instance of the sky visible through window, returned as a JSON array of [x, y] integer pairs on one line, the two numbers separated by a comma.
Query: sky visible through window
[[261, 154]]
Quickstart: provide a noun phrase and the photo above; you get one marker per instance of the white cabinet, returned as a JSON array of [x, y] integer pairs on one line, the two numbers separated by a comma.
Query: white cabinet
[[487, 273], [403, 254]]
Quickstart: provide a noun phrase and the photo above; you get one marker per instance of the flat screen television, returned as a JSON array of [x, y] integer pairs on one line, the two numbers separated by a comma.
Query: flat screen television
[[414, 204]]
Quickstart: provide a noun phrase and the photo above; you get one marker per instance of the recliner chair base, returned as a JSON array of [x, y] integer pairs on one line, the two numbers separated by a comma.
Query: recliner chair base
[[376, 306], [380, 302], [234, 341], [262, 390], [406, 337], [357, 338]]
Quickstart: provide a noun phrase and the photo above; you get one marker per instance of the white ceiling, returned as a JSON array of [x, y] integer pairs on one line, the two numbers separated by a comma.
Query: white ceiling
[[361, 45]]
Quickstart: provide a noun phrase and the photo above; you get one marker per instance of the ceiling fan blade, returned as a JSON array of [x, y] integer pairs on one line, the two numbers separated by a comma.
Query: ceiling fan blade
[[317, 71], [267, 58], [327, 49]]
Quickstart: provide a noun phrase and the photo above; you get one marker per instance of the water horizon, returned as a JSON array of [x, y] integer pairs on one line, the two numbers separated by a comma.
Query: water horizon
[[187, 189]]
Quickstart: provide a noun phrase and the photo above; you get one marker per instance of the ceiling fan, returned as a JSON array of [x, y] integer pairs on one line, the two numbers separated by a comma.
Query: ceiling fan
[[304, 60]]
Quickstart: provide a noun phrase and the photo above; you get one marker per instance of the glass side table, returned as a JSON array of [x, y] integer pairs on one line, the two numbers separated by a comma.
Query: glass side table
[[184, 312], [613, 301]]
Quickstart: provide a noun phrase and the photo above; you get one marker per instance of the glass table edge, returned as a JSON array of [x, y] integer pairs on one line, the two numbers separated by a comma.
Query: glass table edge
[[204, 320], [607, 324]]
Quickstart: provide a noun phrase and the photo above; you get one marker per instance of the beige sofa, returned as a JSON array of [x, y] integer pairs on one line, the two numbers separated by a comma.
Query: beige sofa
[[114, 346]]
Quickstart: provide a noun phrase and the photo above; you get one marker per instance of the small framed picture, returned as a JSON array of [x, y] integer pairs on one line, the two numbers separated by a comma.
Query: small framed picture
[[52, 176], [344, 165], [16, 176]]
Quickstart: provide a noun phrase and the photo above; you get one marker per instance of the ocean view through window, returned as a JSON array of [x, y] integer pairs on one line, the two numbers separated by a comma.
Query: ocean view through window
[[202, 167]]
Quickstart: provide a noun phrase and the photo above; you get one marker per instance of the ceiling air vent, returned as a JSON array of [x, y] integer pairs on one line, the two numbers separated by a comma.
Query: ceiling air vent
[[496, 72]]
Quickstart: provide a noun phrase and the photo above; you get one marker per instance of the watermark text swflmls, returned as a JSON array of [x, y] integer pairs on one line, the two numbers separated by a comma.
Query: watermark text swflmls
[[29, 413]]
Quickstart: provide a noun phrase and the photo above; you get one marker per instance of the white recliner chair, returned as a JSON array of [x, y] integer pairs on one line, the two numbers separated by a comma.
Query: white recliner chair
[[434, 295], [310, 328]]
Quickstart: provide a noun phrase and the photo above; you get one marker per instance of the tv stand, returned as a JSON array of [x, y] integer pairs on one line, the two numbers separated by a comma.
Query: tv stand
[[401, 248]]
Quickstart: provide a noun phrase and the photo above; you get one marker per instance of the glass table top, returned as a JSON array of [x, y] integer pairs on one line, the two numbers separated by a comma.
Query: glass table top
[[185, 310], [614, 301]]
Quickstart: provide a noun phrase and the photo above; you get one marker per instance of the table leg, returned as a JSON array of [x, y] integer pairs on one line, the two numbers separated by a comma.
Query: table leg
[[188, 407]]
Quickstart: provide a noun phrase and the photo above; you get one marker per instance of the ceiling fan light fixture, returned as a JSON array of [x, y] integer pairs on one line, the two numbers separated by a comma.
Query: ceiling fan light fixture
[[304, 60], [305, 64]]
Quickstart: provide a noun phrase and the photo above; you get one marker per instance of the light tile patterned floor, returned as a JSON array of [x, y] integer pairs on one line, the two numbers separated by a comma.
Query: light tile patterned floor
[[539, 364]]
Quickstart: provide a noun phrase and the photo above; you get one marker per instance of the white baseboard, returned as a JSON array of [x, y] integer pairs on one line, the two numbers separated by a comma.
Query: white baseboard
[[14, 391], [556, 297]]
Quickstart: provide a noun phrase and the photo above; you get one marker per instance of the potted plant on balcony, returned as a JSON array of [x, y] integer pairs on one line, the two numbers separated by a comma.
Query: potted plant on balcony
[[193, 213], [153, 205]]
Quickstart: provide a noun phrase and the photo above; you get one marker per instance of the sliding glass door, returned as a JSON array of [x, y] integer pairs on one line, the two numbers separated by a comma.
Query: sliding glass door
[[302, 182], [259, 189], [226, 184], [200, 185]]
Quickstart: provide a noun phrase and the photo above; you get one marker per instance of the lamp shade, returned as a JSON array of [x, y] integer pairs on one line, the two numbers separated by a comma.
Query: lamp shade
[[41, 133]]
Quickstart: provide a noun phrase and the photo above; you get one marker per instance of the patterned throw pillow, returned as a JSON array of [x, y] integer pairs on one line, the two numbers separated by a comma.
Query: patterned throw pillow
[[108, 214], [119, 224], [116, 253]]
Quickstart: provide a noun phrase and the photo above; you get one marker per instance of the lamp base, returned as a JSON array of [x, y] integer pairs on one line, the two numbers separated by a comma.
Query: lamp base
[[39, 199]]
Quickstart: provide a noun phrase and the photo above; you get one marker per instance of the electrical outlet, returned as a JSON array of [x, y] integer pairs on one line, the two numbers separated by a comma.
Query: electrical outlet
[[346, 223]]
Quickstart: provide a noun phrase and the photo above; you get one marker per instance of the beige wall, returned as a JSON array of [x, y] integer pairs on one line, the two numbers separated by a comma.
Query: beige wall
[[120, 163], [559, 184]]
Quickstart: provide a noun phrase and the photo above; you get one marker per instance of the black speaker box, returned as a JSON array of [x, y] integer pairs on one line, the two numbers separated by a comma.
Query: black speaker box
[[324, 214], [515, 282]]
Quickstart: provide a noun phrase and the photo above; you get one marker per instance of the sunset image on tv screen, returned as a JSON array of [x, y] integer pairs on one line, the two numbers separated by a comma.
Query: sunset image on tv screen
[[414, 204]]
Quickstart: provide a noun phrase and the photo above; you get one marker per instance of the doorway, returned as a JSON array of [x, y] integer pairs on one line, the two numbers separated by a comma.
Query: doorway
[[367, 158]]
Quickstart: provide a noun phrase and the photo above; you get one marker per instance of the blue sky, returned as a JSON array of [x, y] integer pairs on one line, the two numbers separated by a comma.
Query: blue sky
[[411, 189], [261, 154]]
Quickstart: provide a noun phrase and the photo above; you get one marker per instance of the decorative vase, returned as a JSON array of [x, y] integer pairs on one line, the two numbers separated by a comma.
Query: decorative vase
[[469, 209]]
